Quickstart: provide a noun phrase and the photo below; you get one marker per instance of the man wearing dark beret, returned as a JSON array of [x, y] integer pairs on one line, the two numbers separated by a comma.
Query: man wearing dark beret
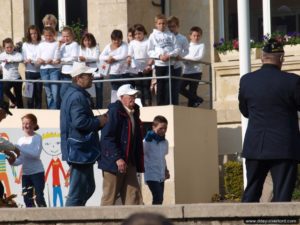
[[270, 99]]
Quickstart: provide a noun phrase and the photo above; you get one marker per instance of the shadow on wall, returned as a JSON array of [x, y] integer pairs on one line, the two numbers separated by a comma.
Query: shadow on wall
[[230, 140], [230, 146]]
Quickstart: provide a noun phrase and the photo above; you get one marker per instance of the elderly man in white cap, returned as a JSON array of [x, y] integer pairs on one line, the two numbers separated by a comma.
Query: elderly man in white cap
[[79, 128], [122, 150]]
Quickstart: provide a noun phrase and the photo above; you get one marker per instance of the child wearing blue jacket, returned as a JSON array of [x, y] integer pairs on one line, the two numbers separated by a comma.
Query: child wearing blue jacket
[[155, 149]]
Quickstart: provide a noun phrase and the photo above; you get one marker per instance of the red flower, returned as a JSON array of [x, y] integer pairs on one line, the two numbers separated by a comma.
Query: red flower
[[235, 44]]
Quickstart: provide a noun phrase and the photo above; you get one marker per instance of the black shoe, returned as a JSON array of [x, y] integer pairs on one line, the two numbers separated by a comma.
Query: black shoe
[[198, 102]]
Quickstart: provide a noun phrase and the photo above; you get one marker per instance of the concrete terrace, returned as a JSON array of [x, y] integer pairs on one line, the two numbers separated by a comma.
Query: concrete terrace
[[189, 214]]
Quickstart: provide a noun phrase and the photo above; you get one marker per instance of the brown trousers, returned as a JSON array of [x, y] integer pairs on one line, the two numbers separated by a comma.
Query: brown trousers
[[125, 184]]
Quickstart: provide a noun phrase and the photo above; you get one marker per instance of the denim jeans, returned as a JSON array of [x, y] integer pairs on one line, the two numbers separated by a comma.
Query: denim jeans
[[36, 101], [36, 183], [64, 86], [51, 89], [82, 184], [157, 190]]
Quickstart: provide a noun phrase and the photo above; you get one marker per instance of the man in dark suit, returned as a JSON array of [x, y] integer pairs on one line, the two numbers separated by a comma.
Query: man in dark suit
[[270, 99]]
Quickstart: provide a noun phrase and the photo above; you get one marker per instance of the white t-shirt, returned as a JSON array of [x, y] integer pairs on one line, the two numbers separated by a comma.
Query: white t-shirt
[[11, 67], [30, 51], [49, 50], [160, 43], [69, 54], [138, 51], [196, 52], [120, 54], [183, 44], [91, 55]]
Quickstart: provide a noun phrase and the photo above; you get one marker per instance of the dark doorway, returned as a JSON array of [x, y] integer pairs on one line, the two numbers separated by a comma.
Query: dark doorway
[[43, 7], [76, 12]]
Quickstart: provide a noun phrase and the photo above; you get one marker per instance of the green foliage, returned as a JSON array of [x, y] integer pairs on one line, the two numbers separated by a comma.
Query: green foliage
[[233, 180], [296, 194], [78, 29], [223, 46]]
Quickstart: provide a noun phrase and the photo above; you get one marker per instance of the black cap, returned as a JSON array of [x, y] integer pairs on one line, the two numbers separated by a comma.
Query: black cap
[[273, 46], [4, 105]]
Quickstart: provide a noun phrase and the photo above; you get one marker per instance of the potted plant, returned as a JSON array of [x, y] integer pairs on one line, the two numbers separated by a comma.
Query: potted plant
[[292, 44], [229, 50]]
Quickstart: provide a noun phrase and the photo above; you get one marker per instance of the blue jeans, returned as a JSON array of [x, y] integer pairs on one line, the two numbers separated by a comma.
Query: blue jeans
[[82, 184], [64, 86], [36, 101], [36, 183], [157, 190], [51, 89]]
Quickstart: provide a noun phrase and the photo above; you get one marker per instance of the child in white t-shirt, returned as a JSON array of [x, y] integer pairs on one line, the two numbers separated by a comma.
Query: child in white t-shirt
[[115, 55], [163, 47], [49, 59], [10, 60], [32, 71], [89, 53], [192, 69], [173, 25], [140, 63], [68, 54]]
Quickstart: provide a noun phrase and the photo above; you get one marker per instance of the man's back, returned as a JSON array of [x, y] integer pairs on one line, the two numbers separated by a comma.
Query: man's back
[[270, 99]]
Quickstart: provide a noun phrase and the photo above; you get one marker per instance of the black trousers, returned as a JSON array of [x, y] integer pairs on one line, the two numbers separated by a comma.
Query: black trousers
[[162, 97], [16, 97], [283, 173], [1, 190]]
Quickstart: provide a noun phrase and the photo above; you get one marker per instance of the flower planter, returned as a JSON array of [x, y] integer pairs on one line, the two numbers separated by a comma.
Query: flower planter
[[235, 55], [291, 50]]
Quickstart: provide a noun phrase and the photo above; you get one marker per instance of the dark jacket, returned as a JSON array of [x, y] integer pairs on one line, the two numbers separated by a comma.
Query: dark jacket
[[270, 99], [77, 120], [116, 139]]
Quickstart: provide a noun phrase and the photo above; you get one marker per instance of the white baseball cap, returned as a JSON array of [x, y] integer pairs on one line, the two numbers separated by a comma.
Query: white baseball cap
[[80, 68], [126, 89]]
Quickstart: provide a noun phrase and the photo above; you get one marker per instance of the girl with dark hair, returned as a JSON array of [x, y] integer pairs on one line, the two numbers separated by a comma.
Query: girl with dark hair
[[89, 53], [32, 71], [115, 55]]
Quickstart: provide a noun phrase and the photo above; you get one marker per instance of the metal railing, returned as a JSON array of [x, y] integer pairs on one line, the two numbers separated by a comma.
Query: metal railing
[[169, 77]]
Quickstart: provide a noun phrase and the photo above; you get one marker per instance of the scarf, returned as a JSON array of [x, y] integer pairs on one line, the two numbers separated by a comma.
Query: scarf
[[151, 135]]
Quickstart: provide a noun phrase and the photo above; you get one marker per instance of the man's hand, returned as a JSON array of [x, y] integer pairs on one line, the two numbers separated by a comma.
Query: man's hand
[[11, 157], [2, 114], [103, 119], [122, 166], [16, 151]]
